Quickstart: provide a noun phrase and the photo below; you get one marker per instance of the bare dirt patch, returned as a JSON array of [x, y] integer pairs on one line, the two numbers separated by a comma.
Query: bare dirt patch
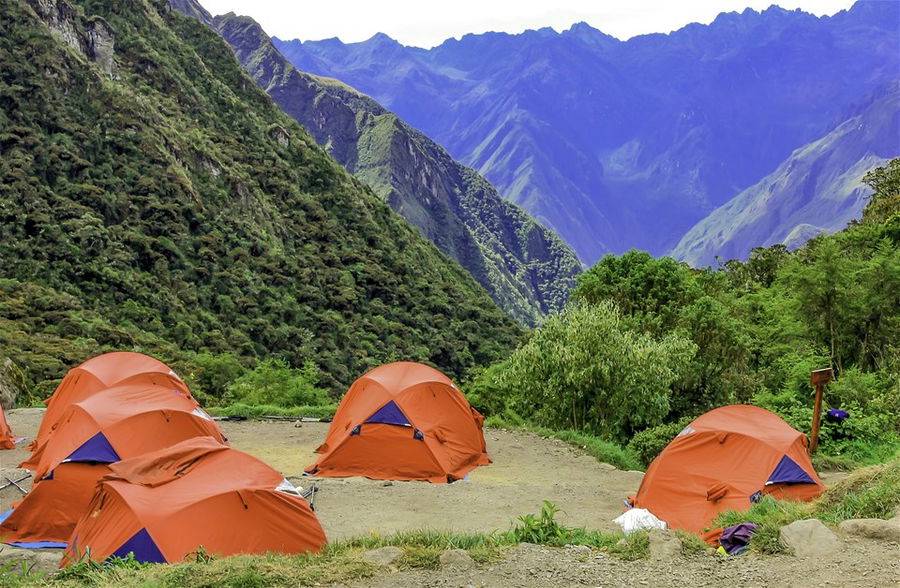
[[527, 469]]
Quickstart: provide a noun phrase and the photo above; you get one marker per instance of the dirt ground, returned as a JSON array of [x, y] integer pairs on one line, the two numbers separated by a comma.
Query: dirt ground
[[527, 469]]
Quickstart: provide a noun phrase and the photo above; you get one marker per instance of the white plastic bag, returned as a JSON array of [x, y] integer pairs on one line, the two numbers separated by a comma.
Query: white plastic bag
[[636, 519]]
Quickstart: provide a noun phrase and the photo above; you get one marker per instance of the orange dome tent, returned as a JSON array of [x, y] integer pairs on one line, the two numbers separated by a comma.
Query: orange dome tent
[[122, 422], [725, 460], [165, 505], [7, 441], [403, 421], [100, 373]]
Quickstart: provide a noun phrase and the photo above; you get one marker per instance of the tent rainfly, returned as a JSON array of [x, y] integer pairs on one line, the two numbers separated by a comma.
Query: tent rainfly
[[403, 421], [165, 505]]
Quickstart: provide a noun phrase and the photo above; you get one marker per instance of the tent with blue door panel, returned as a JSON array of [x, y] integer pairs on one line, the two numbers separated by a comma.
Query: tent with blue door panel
[[121, 422], [403, 421], [98, 374], [725, 460], [165, 505]]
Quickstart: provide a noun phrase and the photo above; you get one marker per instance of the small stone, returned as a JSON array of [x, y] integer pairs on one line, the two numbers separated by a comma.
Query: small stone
[[36, 560], [388, 483], [664, 545], [580, 551], [385, 556], [459, 558], [872, 528], [622, 543], [809, 538]]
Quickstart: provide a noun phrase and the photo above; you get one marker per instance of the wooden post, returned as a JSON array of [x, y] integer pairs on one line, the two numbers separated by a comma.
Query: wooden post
[[818, 379]]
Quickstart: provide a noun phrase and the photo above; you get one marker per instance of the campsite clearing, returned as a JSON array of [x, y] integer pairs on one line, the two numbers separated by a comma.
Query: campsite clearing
[[527, 470]]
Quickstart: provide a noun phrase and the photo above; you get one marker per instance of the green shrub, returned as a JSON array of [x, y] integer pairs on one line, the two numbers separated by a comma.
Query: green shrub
[[649, 443], [274, 382]]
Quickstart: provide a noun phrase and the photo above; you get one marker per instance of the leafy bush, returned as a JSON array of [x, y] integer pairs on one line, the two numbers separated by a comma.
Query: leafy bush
[[274, 382], [584, 369], [649, 443]]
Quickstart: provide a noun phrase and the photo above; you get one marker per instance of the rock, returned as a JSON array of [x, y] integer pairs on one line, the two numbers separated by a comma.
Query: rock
[[459, 558], [12, 383], [809, 538], [580, 551], [35, 560], [872, 528], [101, 44], [385, 556], [388, 483], [664, 545]]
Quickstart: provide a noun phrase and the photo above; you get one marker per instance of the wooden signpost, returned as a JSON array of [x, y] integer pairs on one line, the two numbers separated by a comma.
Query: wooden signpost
[[818, 379]]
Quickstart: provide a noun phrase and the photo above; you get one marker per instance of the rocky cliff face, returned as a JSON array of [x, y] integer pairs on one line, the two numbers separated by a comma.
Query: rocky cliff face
[[94, 41], [527, 269]]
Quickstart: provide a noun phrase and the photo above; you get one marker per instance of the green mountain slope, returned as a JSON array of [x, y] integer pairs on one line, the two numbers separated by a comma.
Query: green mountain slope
[[153, 197], [527, 269], [817, 189]]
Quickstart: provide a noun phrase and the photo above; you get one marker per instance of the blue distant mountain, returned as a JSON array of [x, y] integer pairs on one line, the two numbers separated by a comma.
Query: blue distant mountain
[[631, 144]]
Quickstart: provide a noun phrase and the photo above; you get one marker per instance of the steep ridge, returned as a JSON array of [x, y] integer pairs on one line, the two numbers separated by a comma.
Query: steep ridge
[[527, 269], [817, 189], [627, 144], [153, 197]]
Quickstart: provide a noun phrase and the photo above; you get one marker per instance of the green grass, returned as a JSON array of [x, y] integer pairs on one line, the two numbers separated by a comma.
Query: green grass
[[872, 492], [259, 411], [602, 450]]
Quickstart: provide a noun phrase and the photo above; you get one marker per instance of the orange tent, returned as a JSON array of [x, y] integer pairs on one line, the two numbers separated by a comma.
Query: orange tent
[[100, 373], [122, 422], [725, 460], [50, 509], [165, 505], [403, 421], [7, 441]]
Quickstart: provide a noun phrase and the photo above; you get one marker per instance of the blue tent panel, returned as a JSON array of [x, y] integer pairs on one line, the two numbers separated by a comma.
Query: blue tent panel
[[389, 414], [787, 471], [97, 448], [40, 545], [143, 547]]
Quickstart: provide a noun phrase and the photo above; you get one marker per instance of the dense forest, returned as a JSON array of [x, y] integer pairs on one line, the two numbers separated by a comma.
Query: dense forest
[[154, 198], [646, 344]]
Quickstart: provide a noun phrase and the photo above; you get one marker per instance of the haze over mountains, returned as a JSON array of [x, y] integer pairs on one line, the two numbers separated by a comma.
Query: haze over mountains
[[634, 144]]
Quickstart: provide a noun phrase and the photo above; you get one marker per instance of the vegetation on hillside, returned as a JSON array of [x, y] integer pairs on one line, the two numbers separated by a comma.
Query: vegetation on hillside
[[526, 269], [165, 204], [647, 343]]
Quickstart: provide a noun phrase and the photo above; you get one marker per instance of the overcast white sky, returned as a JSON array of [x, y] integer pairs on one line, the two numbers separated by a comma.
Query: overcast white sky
[[425, 24]]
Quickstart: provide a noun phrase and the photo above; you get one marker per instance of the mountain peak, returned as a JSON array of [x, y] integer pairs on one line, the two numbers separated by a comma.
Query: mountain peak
[[382, 39]]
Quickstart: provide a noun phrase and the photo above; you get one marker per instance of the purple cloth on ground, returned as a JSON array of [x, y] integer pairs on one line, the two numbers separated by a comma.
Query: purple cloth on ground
[[737, 538]]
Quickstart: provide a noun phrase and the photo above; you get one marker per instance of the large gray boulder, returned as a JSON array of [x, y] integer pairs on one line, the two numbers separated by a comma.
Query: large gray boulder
[[809, 538], [872, 528]]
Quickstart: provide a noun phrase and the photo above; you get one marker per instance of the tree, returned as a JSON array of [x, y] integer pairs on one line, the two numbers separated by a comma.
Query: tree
[[584, 369]]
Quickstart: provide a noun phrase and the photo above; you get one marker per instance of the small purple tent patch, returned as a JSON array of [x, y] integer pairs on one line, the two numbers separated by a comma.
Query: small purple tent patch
[[788, 472], [142, 546], [97, 448], [389, 414]]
